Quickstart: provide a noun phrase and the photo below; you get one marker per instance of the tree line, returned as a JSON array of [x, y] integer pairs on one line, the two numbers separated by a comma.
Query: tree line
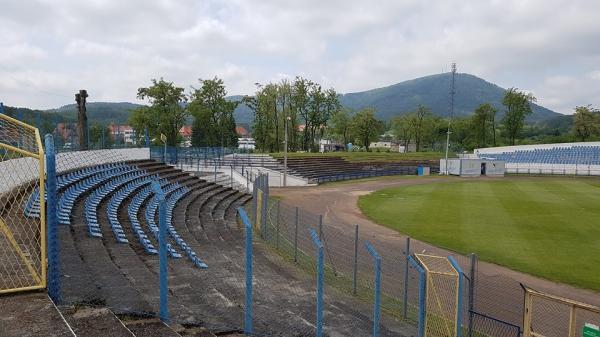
[[311, 113], [301, 106], [427, 131], [170, 108]]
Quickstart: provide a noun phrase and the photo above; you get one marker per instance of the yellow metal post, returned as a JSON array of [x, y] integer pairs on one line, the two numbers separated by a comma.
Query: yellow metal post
[[572, 321], [527, 318], [43, 259]]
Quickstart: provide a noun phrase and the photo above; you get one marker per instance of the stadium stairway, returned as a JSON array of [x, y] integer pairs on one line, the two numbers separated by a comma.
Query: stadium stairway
[[104, 271], [331, 168], [129, 265]]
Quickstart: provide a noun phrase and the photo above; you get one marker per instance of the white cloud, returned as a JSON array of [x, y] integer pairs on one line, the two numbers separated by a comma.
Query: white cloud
[[113, 47]]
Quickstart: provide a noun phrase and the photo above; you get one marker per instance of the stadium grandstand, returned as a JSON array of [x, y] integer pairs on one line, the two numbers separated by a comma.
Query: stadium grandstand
[[560, 158]]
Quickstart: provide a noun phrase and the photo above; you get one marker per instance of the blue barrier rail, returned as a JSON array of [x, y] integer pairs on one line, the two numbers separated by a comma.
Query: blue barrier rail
[[52, 221], [377, 294], [409, 170], [320, 280], [249, 272], [460, 297], [421, 271], [162, 252]]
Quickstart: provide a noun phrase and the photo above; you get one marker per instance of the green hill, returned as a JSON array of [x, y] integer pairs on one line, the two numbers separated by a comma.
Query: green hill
[[100, 112], [433, 92]]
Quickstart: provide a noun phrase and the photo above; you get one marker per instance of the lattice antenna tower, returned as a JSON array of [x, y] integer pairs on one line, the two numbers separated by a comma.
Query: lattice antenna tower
[[452, 92]]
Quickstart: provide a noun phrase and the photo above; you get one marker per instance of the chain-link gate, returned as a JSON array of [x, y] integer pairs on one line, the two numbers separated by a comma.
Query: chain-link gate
[[442, 296], [554, 316], [22, 207]]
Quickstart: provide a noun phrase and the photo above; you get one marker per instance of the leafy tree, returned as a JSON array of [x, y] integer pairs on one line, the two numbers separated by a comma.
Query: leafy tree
[[365, 127], [417, 121], [100, 136], [518, 107], [462, 137], [299, 101], [434, 129], [483, 124], [586, 122], [166, 113], [341, 123], [214, 124], [402, 129]]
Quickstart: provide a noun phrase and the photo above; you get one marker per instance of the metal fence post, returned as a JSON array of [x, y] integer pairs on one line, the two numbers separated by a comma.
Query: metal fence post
[[277, 223], [320, 279], [472, 293], [162, 252], [377, 294], [355, 269], [421, 320], [405, 300], [296, 236], [460, 297], [51, 221], [248, 308], [254, 202], [320, 226], [265, 203], [215, 163], [231, 177]]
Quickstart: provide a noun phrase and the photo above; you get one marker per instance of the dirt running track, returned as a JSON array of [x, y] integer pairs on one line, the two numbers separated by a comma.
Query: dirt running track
[[338, 204]]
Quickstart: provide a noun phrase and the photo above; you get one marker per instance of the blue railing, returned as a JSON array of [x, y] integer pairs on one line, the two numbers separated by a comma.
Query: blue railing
[[188, 155], [408, 170]]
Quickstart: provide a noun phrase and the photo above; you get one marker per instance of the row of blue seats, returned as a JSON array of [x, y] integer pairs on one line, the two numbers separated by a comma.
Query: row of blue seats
[[151, 211], [132, 212], [583, 155], [32, 206], [171, 202], [67, 198], [95, 198], [117, 199]]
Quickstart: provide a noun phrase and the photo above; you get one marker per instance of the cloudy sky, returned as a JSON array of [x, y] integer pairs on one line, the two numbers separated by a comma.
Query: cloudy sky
[[51, 48]]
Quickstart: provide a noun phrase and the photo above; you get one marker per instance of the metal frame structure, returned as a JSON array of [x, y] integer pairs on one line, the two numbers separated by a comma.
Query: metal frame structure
[[39, 276], [574, 308], [438, 321]]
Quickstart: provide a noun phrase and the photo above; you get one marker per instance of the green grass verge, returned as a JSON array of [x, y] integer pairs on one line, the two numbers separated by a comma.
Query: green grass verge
[[370, 156], [548, 227]]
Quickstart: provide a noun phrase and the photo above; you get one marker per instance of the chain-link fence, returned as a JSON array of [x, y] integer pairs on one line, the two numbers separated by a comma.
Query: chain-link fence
[[22, 207], [488, 304]]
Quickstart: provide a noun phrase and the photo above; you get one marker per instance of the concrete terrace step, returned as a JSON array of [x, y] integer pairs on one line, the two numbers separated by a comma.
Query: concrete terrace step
[[148, 327], [31, 314], [95, 322]]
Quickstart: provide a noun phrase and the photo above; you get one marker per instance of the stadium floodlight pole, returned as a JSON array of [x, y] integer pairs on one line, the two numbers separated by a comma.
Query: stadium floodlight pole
[[451, 116]]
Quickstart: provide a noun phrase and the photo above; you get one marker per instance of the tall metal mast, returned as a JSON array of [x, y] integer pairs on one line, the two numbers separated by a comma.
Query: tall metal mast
[[451, 115]]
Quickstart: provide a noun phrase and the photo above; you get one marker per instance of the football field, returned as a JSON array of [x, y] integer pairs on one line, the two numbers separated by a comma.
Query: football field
[[544, 226]]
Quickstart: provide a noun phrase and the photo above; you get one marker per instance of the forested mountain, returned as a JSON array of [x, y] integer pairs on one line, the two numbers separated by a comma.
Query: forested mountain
[[433, 92]]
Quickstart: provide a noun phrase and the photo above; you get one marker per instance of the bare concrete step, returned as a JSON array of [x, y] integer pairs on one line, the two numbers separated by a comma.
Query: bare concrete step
[[31, 314], [95, 322], [149, 327]]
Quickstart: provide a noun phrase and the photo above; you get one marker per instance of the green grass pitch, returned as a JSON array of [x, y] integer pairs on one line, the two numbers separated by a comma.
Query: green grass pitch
[[544, 226]]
